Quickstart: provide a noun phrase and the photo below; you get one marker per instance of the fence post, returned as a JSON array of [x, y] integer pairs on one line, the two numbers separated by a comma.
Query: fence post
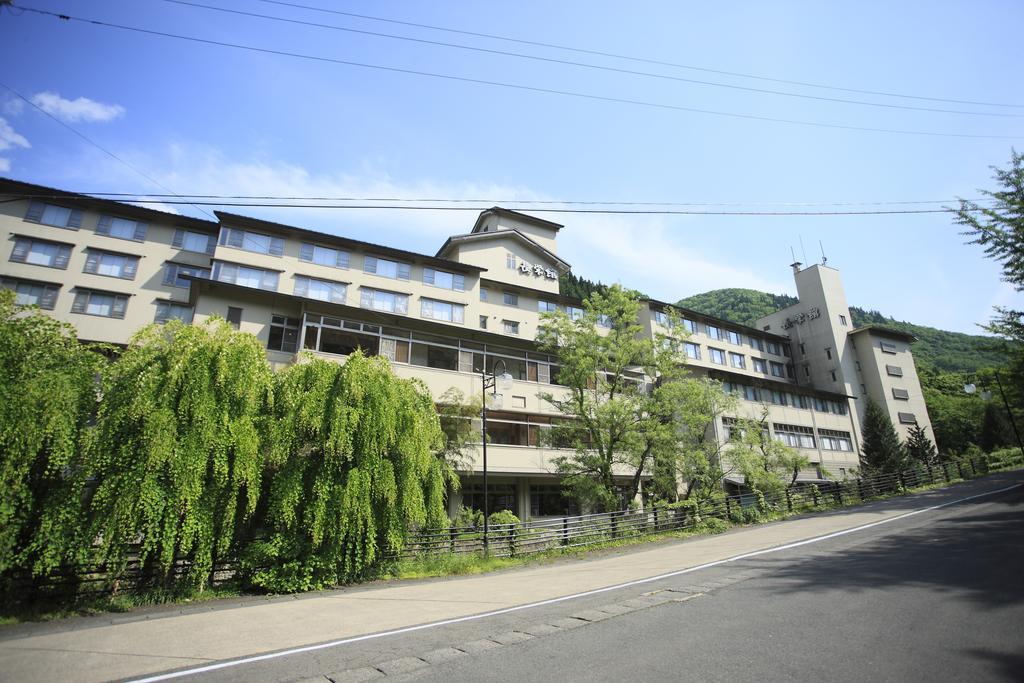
[[838, 493], [789, 501], [655, 520], [860, 489], [615, 525], [931, 477], [452, 534], [903, 481], [974, 468], [728, 509], [565, 531], [512, 540], [960, 469], [677, 513], [945, 471], [814, 492]]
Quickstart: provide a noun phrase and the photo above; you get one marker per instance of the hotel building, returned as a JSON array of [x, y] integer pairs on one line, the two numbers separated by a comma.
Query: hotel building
[[110, 268]]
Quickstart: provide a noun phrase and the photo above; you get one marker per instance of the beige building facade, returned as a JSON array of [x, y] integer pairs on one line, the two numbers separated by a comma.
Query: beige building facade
[[109, 269]]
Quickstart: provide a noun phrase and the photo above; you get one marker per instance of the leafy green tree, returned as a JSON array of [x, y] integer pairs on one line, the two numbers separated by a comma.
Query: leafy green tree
[[461, 434], [47, 395], [614, 421], [764, 462], [919, 447], [881, 450], [179, 448], [995, 428], [355, 469]]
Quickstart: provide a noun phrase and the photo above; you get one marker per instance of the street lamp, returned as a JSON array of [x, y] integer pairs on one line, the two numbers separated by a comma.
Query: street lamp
[[986, 395], [492, 382]]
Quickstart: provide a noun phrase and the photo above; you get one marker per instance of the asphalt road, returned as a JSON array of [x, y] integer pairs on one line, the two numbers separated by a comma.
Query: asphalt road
[[937, 596]]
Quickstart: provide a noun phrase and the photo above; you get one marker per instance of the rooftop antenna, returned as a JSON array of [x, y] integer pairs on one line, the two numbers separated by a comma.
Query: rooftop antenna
[[802, 250], [792, 253], [824, 259]]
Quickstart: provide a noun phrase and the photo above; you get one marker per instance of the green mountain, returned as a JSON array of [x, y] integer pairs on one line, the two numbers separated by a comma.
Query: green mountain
[[936, 349]]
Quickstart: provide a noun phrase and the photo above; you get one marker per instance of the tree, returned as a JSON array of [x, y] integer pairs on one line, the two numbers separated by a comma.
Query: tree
[[881, 450], [456, 415], [919, 447], [179, 446], [995, 429], [47, 396], [763, 461], [614, 421], [354, 471]]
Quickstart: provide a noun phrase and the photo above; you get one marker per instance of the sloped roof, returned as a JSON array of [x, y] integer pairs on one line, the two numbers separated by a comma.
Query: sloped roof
[[507, 232]]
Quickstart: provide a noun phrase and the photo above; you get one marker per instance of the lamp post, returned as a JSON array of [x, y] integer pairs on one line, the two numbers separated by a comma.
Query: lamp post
[[970, 389], [493, 382]]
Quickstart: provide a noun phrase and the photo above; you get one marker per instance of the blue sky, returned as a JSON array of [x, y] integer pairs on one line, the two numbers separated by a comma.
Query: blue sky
[[203, 119]]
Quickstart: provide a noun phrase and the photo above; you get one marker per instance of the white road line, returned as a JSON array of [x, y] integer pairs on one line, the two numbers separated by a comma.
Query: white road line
[[552, 601]]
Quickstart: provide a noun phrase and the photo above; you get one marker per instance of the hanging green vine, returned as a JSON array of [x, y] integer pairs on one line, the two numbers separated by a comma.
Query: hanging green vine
[[178, 453], [355, 469], [47, 395]]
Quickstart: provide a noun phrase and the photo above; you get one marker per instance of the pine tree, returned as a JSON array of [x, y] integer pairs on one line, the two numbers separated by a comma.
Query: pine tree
[[995, 431], [881, 450], [919, 447]]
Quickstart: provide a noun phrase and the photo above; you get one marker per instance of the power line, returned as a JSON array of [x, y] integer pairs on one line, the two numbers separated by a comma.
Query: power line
[[551, 60], [493, 202], [104, 149], [658, 212], [643, 60], [526, 88]]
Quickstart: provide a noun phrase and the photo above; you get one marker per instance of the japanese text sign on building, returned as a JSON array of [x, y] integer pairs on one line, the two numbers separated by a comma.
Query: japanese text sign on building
[[537, 270], [801, 318]]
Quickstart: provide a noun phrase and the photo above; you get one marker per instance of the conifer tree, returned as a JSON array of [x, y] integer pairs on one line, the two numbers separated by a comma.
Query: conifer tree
[[919, 447], [995, 430], [881, 450]]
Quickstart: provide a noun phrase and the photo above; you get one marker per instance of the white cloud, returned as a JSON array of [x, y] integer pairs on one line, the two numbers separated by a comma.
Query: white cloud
[[9, 138], [5, 165], [13, 106], [81, 109]]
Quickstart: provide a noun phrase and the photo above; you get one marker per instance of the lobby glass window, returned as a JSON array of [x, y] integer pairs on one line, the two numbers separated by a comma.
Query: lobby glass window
[[41, 253], [103, 304], [200, 242], [174, 274], [251, 241], [395, 270], [324, 256], [717, 356], [499, 497], [444, 279], [121, 228], [324, 290], [166, 310], [379, 300], [284, 334], [28, 293], [442, 310], [549, 500], [245, 276], [54, 216]]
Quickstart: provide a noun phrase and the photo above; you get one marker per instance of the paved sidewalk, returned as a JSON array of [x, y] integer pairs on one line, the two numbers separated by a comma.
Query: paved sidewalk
[[125, 646]]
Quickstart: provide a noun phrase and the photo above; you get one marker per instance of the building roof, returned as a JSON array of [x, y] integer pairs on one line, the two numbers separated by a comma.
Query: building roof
[[521, 217], [689, 312], [539, 293], [235, 219], [41, 192], [882, 331], [561, 264]]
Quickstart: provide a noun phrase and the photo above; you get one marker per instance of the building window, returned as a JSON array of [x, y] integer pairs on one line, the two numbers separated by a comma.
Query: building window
[[510, 261], [714, 332], [856, 364], [604, 321], [790, 372], [794, 436], [734, 337], [737, 360], [442, 310], [778, 369], [690, 326], [785, 351], [842, 320], [26, 293], [324, 290], [379, 300], [53, 215], [175, 275], [324, 256], [546, 307], [807, 371], [894, 370], [888, 347], [907, 418], [395, 270], [828, 353], [102, 304], [166, 310], [717, 356], [510, 326], [284, 334], [245, 276], [900, 394], [234, 317], [483, 294], [483, 322], [661, 317], [251, 241], [111, 265], [692, 350], [863, 389], [756, 343], [803, 349], [834, 440], [760, 365], [121, 228], [199, 242], [773, 347], [548, 500], [41, 253], [510, 299], [574, 312], [833, 373], [444, 279]]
